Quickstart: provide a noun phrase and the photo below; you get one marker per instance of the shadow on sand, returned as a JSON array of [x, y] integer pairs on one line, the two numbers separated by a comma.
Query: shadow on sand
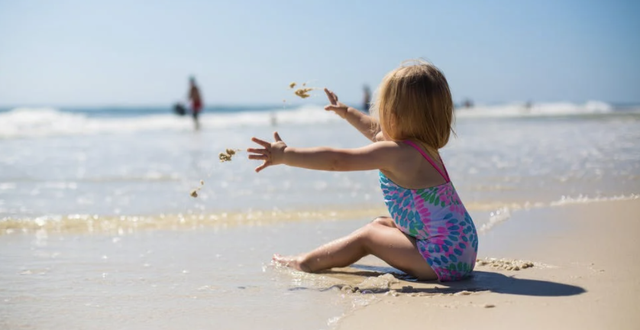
[[479, 281]]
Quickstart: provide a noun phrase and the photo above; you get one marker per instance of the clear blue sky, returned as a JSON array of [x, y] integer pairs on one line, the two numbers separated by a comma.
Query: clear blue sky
[[131, 52]]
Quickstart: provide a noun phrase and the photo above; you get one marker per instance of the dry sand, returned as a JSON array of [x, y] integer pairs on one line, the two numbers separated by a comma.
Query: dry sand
[[584, 276]]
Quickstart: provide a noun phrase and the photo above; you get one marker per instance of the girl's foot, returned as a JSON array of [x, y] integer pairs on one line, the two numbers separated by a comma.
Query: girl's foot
[[288, 261]]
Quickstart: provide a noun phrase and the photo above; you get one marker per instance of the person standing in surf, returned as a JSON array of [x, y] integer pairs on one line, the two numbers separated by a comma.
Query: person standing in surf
[[429, 235], [366, 98], [196, 101]]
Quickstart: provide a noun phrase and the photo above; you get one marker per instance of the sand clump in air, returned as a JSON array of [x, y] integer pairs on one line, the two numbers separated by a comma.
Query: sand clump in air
[[194, 192], [227, 155], [301, 92]]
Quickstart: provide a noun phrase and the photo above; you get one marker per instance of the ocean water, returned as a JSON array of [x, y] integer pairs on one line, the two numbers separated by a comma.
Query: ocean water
[[97, 222], [144, 162]]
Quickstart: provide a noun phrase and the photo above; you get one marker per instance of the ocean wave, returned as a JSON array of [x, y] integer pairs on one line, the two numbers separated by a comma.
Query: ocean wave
[[536, 110], [44, 122]]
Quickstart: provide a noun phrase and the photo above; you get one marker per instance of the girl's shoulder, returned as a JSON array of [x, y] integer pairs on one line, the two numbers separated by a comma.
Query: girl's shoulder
[[410, 169], [402, 156], [395, 148]]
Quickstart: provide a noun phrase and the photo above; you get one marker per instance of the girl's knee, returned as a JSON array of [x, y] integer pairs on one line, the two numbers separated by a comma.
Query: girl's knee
[[385, 221], [369, 236]]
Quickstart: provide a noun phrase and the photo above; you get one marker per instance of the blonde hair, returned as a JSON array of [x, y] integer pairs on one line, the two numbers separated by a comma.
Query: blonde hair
[[413, 102]]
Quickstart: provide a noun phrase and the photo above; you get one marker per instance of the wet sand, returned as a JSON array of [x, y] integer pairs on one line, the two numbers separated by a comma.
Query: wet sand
[[164, 279], [585, 276]]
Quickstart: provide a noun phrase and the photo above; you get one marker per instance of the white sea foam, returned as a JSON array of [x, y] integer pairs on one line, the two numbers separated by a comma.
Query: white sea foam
[[568, 200], [130, 223], [495, 218], [42, 122], [536, 109], [503, 214]]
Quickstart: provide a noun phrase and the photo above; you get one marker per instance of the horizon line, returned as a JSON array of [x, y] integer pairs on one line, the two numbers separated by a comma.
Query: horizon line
[[298, 103]]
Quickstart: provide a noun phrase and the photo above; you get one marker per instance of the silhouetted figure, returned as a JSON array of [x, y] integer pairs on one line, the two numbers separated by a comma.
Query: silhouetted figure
[[467, 104], [366, 102], [196, 101], [179, 109]]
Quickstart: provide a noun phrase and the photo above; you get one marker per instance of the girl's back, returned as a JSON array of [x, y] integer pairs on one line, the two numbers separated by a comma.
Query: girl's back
[[413, 171], [416, 112], [435, 216]]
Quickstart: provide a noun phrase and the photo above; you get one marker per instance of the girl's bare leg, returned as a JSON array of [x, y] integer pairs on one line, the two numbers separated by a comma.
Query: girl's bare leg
[[380, 238]]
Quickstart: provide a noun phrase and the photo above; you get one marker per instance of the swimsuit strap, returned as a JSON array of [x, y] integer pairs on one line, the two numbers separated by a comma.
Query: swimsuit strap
[[444, 174], [445, 168]]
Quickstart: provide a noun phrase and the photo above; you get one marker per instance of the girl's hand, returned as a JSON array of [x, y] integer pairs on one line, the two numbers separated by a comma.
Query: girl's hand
[[339, 108], [272, 154]]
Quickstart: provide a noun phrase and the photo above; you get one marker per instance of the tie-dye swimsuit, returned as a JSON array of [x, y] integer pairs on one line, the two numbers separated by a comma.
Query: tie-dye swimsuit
[[437, 219]]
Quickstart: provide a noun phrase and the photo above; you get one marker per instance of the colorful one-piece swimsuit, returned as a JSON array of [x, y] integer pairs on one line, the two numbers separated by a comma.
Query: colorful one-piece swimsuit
[[445, 234]]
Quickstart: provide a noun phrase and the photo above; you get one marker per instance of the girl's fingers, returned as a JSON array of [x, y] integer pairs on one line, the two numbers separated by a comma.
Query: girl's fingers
[[258, 151], [333, 107], [277, 137], [262, 167], [332, 97], [259, 157], [329, 96], [260, 142]]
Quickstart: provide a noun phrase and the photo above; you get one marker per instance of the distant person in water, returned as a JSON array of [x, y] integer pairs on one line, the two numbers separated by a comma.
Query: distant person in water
[[196, 101], [366, 102]]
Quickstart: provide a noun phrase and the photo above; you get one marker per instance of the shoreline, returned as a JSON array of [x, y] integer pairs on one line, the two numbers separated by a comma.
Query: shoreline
[[486, 216]]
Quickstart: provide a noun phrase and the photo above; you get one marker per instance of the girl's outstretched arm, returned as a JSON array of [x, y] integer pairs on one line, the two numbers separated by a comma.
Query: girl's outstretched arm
[[384, 155], [364, 123]]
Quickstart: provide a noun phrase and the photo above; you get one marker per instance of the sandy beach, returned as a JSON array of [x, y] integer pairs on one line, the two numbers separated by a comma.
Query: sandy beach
[[584, 277]]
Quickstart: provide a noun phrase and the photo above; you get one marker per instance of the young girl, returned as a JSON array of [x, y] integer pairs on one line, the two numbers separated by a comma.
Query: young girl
[[430, 235]]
